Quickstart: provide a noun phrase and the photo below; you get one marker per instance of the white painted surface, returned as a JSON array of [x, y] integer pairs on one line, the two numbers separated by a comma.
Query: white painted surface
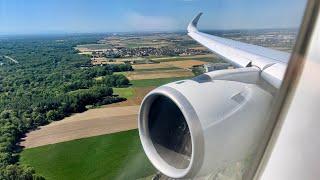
[[296, 154], [272, 62]]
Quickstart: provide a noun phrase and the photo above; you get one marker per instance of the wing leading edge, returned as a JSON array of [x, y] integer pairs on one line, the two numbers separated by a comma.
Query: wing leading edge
[[272, 63]]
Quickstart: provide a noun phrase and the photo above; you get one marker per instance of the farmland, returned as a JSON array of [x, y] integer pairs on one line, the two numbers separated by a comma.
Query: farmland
[[155, 82], [158, 74], [102, 157], [124, 92], [47, 85], [61, 101], [105, 135], [105, 120], [185, 64], [136, 99]]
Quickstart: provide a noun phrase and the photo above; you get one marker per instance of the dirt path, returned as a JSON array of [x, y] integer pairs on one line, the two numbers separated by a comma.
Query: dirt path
[[93, 122]]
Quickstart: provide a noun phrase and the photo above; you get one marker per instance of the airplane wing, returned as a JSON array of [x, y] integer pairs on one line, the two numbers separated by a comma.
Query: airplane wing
[[272, 63]]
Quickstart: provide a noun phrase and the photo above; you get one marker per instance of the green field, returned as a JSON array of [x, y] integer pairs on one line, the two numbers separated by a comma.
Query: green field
[[210, 58], [94, 46], [157, 69], [125, 73], [124, 92], [155, 82], [113, 156]]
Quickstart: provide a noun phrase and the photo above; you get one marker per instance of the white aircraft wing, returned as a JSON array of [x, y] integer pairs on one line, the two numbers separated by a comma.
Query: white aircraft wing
[[272, 63]]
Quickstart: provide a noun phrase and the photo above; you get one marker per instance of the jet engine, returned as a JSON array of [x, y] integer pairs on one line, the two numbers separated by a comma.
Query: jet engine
[[194, 127]]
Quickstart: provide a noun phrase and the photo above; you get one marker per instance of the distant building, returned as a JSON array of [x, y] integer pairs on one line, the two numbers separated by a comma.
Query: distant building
[[216, 66]]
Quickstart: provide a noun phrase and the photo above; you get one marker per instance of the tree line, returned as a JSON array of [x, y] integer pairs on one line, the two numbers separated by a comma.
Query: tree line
[[47, 85]]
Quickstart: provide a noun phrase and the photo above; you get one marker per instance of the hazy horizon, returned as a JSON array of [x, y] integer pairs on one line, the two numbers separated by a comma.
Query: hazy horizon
[[138, 32], [36, 17]]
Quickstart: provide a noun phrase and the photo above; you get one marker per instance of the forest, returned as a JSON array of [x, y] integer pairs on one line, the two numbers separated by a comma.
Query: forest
[[48, 84]]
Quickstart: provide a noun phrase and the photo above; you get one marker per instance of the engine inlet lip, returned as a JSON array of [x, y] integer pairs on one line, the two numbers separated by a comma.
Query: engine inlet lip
[[195, 128]]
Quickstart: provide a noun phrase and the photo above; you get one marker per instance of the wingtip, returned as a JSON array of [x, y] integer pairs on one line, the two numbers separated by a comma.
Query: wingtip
[[194, 23]]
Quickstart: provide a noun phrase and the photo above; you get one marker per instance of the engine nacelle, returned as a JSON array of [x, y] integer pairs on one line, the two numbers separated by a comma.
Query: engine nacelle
[[195, 127]]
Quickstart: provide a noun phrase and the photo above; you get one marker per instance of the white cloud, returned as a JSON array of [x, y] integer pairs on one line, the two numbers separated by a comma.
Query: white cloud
[[141, 22]]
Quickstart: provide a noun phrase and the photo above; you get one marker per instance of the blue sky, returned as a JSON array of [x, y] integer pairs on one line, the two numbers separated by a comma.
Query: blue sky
[[89, 16]]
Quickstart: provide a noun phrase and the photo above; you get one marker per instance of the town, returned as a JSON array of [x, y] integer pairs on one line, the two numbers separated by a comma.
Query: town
[[123, 52], [152, 48]]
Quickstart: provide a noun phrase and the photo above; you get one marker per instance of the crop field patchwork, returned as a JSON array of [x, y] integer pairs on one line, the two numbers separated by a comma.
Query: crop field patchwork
[[181, 58], [100, 143], [96, 144], [151, 66]]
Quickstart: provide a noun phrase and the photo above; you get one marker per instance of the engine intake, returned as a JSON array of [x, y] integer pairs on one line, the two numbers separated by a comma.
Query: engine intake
[[169, 132], [194, 127]]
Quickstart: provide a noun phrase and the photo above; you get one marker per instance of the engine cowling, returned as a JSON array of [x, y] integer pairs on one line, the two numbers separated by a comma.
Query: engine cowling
[[194, 127]]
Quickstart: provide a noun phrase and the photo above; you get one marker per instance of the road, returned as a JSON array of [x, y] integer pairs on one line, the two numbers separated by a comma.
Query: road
[[11, 59]]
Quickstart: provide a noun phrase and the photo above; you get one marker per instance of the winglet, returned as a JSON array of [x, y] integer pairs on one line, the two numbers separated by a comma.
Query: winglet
[[193, 24]]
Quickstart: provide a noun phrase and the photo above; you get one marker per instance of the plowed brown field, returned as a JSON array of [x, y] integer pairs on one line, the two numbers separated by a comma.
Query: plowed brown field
[[93, 122]]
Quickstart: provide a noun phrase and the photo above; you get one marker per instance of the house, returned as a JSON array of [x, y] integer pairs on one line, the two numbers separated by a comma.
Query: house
[[216, 66]]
